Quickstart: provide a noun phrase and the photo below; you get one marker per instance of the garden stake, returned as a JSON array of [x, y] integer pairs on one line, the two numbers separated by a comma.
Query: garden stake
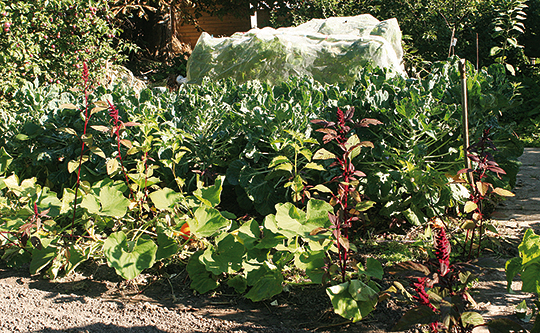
[[466, 142]]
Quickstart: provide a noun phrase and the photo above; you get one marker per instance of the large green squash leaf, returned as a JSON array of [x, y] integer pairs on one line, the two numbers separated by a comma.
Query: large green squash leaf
[[207, 221], [530, 247], [41, 258], [109, 202], [352, 300], [225, 257], [210, 195], [531, 278], [266, 286], [129, 258], [165, 198], [373, 269], [201, 279], [291, 221], [313, 262], [166, 246]]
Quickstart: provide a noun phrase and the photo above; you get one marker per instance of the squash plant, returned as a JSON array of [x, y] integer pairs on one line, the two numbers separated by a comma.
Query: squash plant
[[527, 265]]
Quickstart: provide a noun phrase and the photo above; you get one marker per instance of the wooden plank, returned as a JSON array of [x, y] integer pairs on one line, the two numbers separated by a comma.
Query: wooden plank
[[214, 26]]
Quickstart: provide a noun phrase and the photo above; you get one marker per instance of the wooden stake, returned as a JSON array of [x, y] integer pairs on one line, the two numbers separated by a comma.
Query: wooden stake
[[465, 116]]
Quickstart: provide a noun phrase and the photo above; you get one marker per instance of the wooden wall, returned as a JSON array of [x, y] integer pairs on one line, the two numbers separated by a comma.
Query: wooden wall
[[215, 26]]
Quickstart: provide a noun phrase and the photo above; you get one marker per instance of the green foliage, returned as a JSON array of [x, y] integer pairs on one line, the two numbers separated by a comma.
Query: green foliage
[[49, 40], [508, 26], [129, 258], [159, 171], [415, 151], [528, 266], [260, 137], [252, 257], [356, 298], [353, 299], [106, 199]]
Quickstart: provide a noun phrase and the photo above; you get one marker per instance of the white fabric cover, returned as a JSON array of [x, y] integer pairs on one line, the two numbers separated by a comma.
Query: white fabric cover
[[329, 50]]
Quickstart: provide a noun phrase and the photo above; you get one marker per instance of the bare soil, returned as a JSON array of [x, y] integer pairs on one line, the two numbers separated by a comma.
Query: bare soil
[[97, 300]]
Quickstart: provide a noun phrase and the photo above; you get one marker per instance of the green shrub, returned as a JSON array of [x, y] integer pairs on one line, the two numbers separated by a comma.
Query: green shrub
[[49, 40]]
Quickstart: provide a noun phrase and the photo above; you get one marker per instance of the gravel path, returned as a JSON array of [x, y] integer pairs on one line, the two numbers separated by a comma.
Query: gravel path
[[33, 310]]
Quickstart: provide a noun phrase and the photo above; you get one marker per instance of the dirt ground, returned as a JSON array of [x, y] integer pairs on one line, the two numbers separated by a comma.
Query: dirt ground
[[97, 300]]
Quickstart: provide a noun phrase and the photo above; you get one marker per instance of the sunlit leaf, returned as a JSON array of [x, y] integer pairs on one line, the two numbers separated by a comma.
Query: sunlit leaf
[[207, 221], [468, 225], [469, 207], [97, 109], [165, 198], [113, 166], [68, 130], [100, 128], [321, 188], [323, 154], [68, 106], [74, 164], [529, 247], [314, 166], [502, 192], [471, 319], [126, 143], [482, 188], [87, 139], [98, 152], [362, 206], [279, 160]]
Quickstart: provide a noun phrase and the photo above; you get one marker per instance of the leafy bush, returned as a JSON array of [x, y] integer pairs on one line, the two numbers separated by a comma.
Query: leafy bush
[[49, 40]]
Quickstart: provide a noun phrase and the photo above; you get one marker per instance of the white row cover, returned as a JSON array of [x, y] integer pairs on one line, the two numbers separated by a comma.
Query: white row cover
[[330, 50]]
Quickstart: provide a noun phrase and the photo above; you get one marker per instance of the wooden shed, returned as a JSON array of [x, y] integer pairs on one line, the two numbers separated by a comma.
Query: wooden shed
[[215, 26]]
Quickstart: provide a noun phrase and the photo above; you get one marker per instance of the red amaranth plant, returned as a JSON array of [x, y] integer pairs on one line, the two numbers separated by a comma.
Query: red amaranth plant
[[481, 191], [347, 196], [441, 288], [118, 125], [86, 90]]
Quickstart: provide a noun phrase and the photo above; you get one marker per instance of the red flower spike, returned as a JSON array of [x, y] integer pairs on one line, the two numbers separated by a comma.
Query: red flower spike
[[341, 120], [422, 297], [436, 327], [85, 73], [442, 250], [113, 113]]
